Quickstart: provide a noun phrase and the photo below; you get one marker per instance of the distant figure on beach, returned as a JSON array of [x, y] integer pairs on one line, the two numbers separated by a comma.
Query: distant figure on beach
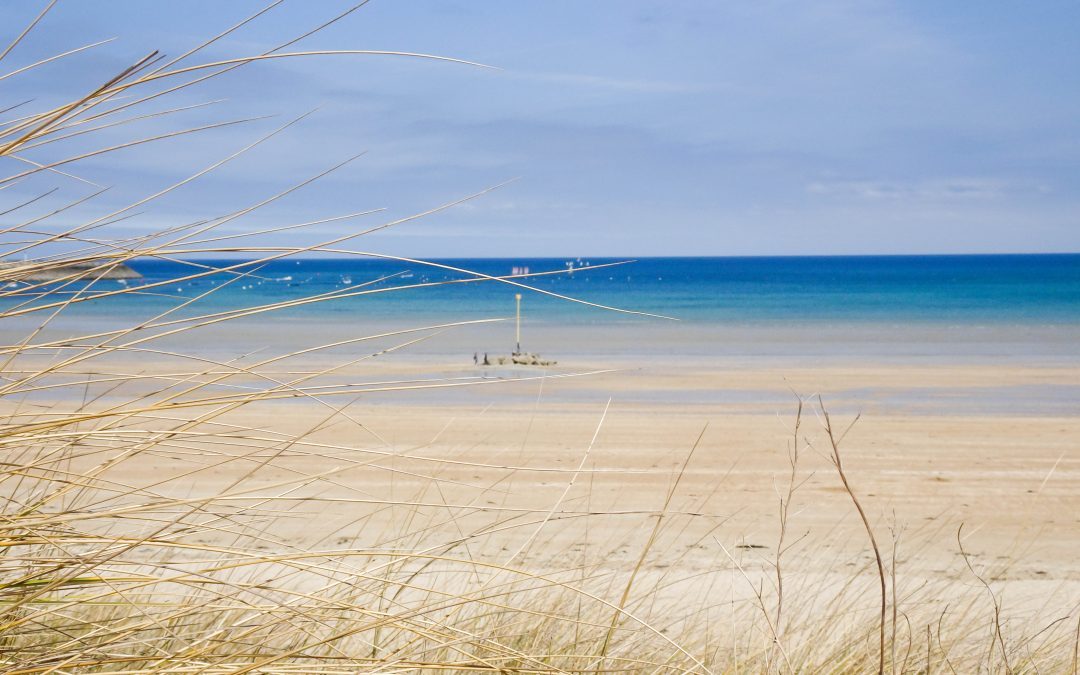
[[486, 362], [475, 360]]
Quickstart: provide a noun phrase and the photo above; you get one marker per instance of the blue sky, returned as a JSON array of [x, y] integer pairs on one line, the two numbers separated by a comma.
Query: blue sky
[[633, 128]]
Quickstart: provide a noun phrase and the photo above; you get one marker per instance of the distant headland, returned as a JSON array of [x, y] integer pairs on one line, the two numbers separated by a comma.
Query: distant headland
[[39, 272]]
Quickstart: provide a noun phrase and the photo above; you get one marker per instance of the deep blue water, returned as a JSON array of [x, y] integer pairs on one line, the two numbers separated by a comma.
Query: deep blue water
[[989, 289]]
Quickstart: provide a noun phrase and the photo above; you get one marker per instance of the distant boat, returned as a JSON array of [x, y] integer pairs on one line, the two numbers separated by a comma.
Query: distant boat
[[347, 280], [517, 271]]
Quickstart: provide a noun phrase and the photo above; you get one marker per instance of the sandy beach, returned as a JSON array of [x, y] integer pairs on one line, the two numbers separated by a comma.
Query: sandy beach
[[403, 440], [652, 463]]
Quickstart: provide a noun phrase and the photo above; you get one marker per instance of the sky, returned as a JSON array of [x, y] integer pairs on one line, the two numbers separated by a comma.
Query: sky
[[624, 128]]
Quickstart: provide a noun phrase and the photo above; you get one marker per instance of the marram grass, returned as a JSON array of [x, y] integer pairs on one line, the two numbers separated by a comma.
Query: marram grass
[[100, 574]]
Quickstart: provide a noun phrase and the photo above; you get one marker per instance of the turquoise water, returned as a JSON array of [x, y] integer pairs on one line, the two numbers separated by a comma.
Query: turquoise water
[[951, 290], [778, 313]]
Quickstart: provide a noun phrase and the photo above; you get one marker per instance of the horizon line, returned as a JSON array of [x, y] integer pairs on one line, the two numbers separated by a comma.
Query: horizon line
[[630, 258]]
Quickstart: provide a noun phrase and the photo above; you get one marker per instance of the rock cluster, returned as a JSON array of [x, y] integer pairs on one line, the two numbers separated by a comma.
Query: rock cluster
[[522, 359]]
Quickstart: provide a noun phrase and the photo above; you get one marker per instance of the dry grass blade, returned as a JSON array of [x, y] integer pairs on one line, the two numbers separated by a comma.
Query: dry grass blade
[[53, 58], [834, 447], [26, 31]]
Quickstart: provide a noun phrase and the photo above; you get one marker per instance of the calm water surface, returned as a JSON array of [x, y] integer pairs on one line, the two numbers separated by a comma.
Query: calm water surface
[[989, 290]]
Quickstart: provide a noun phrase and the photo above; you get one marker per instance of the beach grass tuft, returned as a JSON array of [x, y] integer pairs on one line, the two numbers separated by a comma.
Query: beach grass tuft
[[150, 516]]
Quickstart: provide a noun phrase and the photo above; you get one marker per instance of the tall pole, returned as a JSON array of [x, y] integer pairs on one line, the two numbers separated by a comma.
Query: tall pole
[[517, 299]]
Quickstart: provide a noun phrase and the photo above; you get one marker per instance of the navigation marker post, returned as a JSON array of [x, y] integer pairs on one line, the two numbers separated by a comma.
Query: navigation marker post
[[517, 299]]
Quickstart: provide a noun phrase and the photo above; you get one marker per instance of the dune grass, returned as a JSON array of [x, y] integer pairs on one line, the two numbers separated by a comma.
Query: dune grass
[[120, 553]]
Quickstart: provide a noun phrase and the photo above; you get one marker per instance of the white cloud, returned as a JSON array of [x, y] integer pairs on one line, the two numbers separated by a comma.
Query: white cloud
[[946, 189]]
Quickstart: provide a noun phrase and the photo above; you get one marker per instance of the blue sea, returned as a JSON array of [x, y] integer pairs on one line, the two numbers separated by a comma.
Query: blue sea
[[782, 314], [946, 289]]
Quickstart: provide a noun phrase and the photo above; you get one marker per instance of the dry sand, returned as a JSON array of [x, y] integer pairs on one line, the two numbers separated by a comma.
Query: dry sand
[[936, 446], [502, 465]]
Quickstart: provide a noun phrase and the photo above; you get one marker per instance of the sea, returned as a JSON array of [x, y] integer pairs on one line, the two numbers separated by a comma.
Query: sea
[[943, 289], [646, 315], [954, 305]]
